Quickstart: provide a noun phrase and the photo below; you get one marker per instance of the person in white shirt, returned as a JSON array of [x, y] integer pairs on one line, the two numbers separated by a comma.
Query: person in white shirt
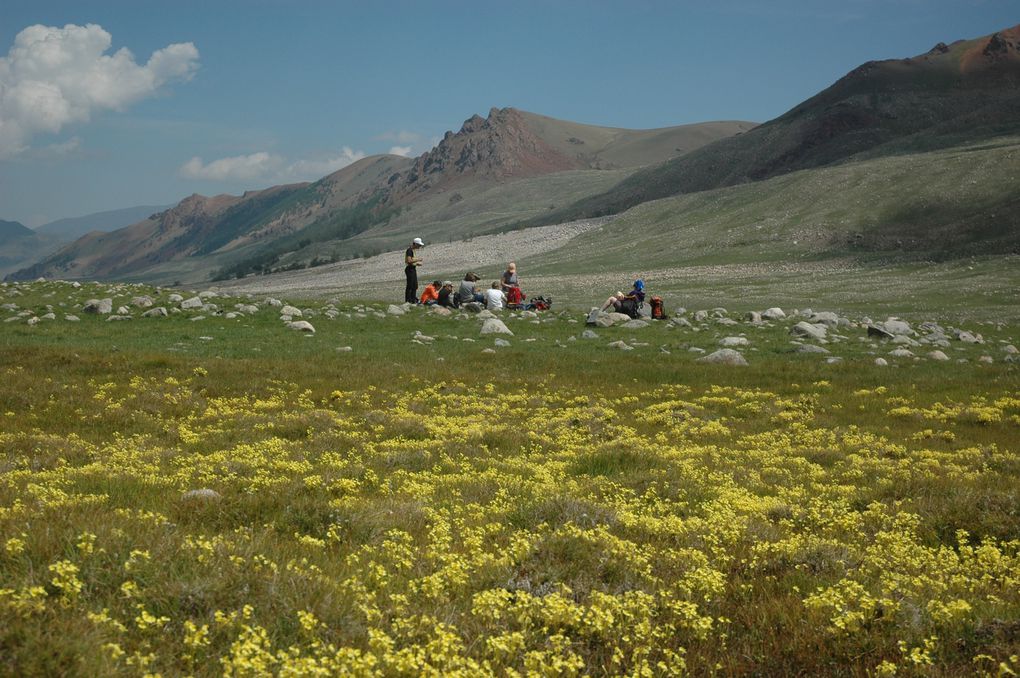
[[495, 298]]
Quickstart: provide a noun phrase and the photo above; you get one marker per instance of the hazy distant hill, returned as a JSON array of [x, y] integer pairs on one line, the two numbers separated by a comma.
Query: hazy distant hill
[[20, 245], [75, 227], [953, 94], [10, 230], [486, 164]]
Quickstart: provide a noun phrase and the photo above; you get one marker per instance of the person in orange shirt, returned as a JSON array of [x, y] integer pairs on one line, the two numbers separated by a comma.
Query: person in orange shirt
[[431, 294]]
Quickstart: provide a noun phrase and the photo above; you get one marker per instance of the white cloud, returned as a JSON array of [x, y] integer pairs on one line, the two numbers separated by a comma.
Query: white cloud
[[53, 77], [401, 150], [234, 168], [269, 167]]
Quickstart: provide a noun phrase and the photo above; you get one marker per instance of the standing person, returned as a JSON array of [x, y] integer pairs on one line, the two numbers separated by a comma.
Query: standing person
[[494, 297], [411, 264], [509, 278]]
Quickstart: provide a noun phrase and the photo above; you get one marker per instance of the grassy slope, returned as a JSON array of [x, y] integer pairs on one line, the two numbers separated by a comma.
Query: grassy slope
[[810, 479]]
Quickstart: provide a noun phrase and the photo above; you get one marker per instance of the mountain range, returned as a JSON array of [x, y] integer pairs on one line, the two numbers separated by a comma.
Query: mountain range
[[514, 169]]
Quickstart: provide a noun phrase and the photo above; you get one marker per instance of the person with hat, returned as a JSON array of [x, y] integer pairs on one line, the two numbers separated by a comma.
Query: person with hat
[[411, 263], [446, 296], [430, 297], [627, 303]]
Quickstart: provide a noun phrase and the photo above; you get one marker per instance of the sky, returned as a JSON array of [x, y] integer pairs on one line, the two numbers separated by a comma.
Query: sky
[[105, 105]]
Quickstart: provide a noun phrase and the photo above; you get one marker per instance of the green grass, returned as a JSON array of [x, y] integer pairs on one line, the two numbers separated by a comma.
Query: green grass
[[500, 494]]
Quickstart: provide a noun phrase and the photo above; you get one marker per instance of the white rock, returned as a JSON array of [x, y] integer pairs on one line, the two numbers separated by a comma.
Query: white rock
[[938, 355], [71, 318], [901, 353], [881, 362], [175, 298], [488, 350], [730, 342], [774, 313], [896, 326], [440, 310], [623, 346], [98, 306], [486, 314], [158, 312], [291, 311], [724, 356], [193, 302], [203, 494], [986, 359], [393, 309], [634, 324], [275, 303], [805, 329], [589, 334], [495, 326], [811, 348], [502, 343], [301, 326]]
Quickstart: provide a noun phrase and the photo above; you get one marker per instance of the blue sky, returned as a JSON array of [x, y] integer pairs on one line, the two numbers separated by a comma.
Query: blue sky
[[272, 91]]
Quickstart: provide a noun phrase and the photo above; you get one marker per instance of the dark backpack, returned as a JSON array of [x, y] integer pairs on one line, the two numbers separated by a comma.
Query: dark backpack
[[629, 307], [658, 310]]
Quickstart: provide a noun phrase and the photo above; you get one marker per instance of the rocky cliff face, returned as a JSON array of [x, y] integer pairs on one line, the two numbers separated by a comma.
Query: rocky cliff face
[[496, 148]]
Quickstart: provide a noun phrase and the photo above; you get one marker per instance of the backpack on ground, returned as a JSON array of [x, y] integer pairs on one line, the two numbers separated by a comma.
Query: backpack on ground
[[658, 309], [514, 297], [540, 303]]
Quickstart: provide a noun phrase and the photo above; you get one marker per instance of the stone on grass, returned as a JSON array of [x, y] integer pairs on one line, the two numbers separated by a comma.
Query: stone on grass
[[634, 324], [753, 317], [440, 310], [144, 301], [98, 306], [193, 302], [201, 494], [292, 311], [725, 356], [485, 314], [1009, 349], [827, 318], [618, 317], [158, 312], [117, 317], [879, 332], [276, 303], [301, 326], [938, 355], [589, 334], [603, 321], [503, 343], [495, 326], [811, 348], [901, 353], [774, 313], [897, 326], [904, 340], [344, 349], [71, 318], [175, 298], [622, 345], [881, 362], [393, 309], [488, 350], [987, 359], [805, 329], [730, 342]]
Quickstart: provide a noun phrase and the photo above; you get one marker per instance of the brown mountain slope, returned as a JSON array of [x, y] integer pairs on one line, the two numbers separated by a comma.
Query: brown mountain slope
[[953, 94]]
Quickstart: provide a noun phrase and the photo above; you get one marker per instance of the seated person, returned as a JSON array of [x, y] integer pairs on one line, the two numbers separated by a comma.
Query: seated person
[[627, 303], [494, 297], [468, 290], [446, 296], [509, 278], [431, 294]]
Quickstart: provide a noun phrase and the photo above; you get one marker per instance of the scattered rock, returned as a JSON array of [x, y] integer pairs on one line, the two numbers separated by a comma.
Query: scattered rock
[[344, 349], [118, 317], [805, 329], [488, 350], [634, 324], [827, 318], [175, 298], [774, 313], [495, 326], [502, 343], [302, 326], [248, 309], [725, 356], [193, 302], [142, 302], [987, 359], [440, 310], [730, 342], [158, 312], [938, 355], [622, 345], [881, 362], [202, 494], [753, 317], [291, 311], [901, 353], [71, 318], [275, 303], [589, 334], [486, 314], [904, 340], [811, 348], [393, 309], [98, 306], [879, 332], [897, 326]]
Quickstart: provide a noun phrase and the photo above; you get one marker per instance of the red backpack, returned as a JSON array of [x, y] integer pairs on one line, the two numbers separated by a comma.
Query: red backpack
[[658, 310], [514, 296]]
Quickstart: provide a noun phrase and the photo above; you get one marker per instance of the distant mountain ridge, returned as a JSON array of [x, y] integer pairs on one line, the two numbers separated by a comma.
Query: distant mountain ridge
[[510, 145], [110, 220], [13, 229]]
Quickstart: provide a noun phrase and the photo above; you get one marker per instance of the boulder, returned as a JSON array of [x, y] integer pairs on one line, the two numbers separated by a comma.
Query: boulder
[[986, 359], [901, 353], [634, 324], [301, 326], [193, 302], [529, 315], [879, 332], [158, 312], [969, 337], [938, 355], [753, 317], [1009, 349], [502, 343], [248, 309], [827, 318], [98, 306], [811, 348], [897, 326], [904, 340], [472, 307], [619, 318], [71, 318], [774, 313], [207, 294], [881, 362], [142, 302], [486, 314], [725, 356], [621, 345], [292, 311], [730, 342], [589, 334], [393, 309], [440, 311], [175, 298], [202, 494], [495, 326], [275, 303], [805, 329], [603, 321]]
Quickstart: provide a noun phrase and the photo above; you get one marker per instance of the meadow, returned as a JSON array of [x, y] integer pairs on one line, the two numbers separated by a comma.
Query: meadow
[[370, 503]]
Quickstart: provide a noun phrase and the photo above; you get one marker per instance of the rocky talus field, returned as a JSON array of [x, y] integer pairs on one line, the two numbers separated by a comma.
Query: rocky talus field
[[201, 483]]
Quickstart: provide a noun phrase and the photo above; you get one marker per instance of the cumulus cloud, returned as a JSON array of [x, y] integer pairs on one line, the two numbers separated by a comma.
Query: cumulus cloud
[[400, 137], [267, 166], [53, 77], [401, 150]]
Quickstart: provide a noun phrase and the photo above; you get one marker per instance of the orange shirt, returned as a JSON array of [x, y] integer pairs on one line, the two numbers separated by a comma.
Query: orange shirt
[[430, 294]]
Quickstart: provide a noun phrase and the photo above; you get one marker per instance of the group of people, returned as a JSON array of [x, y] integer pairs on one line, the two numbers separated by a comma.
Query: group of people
[[502, 293]]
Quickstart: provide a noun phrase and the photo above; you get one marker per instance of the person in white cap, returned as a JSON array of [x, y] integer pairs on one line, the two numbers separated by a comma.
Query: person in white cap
[[411, 264]]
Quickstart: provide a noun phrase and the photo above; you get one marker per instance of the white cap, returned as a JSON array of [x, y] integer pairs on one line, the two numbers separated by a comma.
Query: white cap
[[418, 241]]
